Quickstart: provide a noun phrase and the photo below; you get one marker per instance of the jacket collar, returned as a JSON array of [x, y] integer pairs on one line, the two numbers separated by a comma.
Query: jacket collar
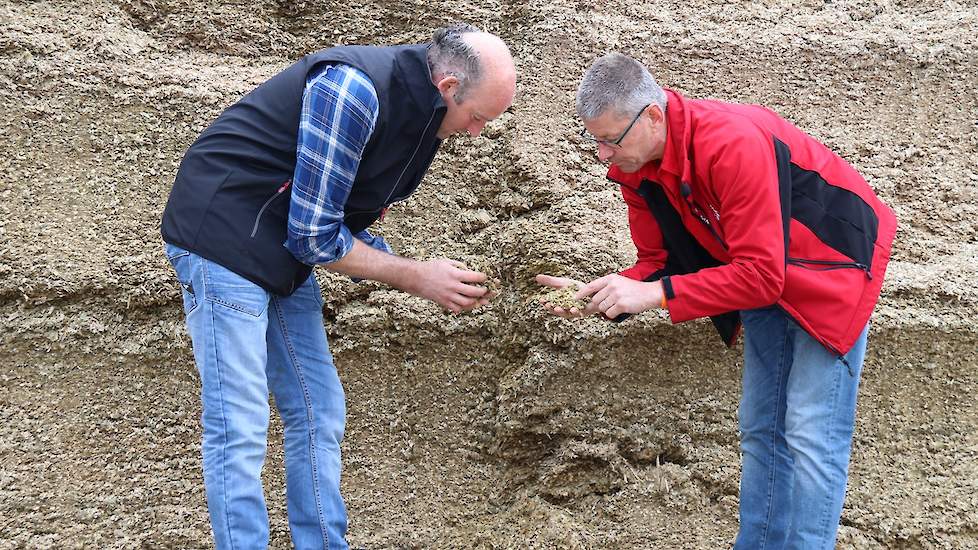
[[411, 67]]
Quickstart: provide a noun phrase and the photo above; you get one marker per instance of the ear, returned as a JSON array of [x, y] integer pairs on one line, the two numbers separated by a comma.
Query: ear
[[447, 84], [655, 113]]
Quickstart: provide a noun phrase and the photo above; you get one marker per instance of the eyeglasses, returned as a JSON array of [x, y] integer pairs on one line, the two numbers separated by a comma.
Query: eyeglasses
[[616, 143]]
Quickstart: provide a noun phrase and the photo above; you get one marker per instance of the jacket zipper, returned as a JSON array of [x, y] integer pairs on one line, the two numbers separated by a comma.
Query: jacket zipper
[[828, 265], [388, 201], [254, 230]]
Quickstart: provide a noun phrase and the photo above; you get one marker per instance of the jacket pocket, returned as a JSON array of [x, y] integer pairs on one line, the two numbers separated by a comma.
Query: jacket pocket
[[278, 193], [828, 265]]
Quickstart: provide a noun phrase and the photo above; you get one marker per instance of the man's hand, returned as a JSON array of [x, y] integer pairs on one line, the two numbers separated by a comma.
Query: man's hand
[[613, 295], [449, 284], [445, 282]]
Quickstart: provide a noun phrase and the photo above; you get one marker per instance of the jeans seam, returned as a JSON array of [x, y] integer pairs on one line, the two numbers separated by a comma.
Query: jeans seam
[[309, 418], [772, 480], [826, 505], [220, 393]]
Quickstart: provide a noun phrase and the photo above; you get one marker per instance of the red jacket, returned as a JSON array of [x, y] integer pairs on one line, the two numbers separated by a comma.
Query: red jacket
[[785, 220]]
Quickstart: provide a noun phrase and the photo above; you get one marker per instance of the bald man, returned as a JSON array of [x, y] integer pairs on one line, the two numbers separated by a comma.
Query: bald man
[[290, 177]]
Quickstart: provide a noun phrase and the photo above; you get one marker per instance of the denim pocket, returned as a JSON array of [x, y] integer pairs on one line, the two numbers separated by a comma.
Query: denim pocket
[[226, 288], [180, 260]]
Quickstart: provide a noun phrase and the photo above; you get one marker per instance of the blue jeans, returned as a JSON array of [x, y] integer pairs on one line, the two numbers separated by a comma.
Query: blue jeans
[[796, 421], [247, 341]]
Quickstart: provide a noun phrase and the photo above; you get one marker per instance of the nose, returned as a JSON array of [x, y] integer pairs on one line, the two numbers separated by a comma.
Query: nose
[[605, 152]]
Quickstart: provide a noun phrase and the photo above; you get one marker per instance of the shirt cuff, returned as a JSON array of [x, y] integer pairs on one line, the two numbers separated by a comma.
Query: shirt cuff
[[314, 250], [374, 241]]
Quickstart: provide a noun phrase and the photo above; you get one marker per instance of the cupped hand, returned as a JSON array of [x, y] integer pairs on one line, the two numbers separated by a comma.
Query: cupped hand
[[614, 294], [559, 283], [449, 284]]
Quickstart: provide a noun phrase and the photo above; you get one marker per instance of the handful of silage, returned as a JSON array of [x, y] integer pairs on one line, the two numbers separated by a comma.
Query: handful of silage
[[493, 283], [564, 298]]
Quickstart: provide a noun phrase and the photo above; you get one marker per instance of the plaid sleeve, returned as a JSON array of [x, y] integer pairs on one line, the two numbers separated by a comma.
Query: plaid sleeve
[[339, 111], [374, 241]]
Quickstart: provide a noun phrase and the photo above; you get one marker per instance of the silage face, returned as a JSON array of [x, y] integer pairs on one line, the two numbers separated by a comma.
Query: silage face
[[506, 427]]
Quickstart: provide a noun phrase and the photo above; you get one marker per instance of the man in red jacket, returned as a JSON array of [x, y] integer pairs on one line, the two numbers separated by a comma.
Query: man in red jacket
[[739, 216]]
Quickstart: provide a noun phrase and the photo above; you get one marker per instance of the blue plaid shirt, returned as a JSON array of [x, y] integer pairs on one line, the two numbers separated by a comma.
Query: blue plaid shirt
[[339, 112]]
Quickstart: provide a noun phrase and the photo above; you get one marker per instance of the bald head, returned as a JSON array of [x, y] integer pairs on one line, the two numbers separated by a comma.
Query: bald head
[[494, 57], [475, 75], [473, 58]]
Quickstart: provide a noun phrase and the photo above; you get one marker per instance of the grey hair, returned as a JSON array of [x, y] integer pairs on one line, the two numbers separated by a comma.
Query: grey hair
[[619, 83], [451, 55]]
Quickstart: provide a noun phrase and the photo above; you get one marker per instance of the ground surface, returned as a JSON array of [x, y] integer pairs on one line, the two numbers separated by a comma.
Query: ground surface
[[505, 428]]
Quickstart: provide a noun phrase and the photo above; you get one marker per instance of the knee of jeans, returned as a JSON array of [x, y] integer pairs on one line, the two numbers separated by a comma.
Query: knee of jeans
[[331, 425], [328, 422], [802, 434], [815, 438], [752, 423], [237, 435]]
